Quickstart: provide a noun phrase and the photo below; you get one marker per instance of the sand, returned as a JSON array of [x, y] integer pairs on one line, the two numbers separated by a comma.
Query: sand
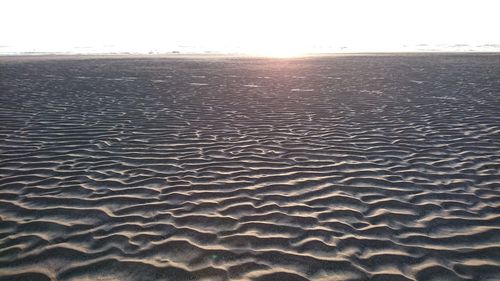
[[324, 168]]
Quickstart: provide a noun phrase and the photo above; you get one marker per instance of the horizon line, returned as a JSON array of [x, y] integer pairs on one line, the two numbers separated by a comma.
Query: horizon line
[[150, 53]]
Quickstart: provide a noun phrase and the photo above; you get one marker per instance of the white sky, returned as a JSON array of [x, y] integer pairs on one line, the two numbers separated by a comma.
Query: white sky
[[252, 26]]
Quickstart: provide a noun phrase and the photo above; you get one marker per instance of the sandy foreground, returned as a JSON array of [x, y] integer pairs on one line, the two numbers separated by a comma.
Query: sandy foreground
[[323, 168]]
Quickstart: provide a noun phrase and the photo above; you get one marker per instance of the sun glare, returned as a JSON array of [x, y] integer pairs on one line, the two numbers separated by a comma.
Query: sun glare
[[277, 52]]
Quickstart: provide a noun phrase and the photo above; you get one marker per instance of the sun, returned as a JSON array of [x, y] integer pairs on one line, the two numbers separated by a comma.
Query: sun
[[278, 53], [273, 49]]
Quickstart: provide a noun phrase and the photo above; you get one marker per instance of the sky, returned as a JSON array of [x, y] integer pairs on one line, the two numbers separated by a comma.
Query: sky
[[271, 27]]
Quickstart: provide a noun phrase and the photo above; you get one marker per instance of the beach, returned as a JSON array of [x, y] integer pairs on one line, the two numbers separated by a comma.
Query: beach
[[363, 167]]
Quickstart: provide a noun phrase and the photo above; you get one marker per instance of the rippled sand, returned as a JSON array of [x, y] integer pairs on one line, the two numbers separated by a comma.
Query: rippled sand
[[335, 168]]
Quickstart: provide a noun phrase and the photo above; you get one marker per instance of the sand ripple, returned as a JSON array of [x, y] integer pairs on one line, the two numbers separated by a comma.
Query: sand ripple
[[348, 168]]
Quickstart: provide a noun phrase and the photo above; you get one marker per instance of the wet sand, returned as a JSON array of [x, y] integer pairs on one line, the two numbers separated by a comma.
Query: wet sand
[[324, 168]]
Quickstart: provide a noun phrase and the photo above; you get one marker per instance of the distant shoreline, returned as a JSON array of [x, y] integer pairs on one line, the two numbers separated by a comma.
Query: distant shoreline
[[60, 56]]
